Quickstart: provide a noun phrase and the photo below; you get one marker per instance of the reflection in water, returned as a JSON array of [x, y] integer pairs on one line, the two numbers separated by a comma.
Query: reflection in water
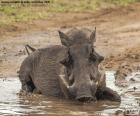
[[13, 104]]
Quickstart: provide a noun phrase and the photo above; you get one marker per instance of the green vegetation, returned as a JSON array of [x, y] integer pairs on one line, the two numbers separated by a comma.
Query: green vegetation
[[122, 2], [10, 14], [85, 5]]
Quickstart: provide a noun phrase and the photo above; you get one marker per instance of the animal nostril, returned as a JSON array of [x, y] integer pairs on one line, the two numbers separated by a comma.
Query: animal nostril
[[85, 99]]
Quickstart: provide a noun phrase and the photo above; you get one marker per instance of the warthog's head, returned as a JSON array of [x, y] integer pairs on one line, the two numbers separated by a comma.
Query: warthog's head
[[81, 64]]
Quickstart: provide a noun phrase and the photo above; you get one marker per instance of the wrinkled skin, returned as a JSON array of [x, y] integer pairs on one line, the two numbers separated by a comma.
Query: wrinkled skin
[[70, 71]]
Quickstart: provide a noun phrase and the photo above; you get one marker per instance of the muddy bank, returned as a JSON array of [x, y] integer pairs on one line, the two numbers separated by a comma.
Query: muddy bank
[[117, 40], [129, 57], [117, 36]]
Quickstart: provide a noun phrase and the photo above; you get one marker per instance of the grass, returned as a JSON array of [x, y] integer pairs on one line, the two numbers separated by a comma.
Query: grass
[[85, 5], [10, 14]]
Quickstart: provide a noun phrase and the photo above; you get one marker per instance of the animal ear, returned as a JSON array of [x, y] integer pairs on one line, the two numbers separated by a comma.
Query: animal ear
[[29, 48], [64, 39], [93, 36]]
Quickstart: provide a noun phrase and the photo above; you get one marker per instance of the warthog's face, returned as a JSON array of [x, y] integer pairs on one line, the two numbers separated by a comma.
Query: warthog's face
[[81, 66]]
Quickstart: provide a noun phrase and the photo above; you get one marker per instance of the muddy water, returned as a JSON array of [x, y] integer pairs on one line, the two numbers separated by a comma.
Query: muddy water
[[11, 103]]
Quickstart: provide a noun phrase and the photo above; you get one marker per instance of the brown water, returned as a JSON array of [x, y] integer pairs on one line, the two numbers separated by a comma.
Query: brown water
[[11, 103]]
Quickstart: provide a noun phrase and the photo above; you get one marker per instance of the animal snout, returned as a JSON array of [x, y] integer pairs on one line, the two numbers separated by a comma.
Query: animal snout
[[85, 98], [84, 93]]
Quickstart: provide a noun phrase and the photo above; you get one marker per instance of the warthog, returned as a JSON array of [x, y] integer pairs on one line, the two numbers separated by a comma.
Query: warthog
[[68, 71]]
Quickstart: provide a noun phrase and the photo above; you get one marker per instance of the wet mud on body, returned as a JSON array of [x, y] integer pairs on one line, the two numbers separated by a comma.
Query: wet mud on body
[[12, 103]]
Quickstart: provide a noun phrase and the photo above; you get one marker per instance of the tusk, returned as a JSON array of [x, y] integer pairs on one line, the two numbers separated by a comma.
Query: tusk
[[102, 81], [64, 81], [71, 77], [96, 82], [64, 85]]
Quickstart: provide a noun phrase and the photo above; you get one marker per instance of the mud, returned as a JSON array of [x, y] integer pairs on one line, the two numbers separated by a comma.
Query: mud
[[118, 32], [12, 103]]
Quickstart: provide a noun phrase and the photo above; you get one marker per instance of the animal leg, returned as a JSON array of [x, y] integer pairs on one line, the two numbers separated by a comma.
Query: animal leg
[[36, 91], [107, 94], [27, 83]]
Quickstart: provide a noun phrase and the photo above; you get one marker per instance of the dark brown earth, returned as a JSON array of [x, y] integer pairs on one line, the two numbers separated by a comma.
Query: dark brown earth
[[118, 36]]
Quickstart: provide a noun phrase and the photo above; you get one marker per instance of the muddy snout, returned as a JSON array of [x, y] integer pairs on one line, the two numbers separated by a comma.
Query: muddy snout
[[85, 98], [84, 92]]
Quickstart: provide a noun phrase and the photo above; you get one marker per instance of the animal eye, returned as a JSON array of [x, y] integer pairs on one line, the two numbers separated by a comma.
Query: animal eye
[[67, 61], [92, 56]]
